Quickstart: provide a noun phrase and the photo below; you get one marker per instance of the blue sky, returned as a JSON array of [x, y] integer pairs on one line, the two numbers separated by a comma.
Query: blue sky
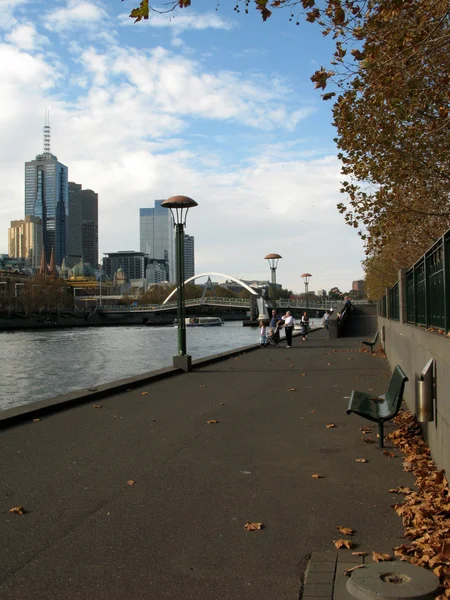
[[211, 104]]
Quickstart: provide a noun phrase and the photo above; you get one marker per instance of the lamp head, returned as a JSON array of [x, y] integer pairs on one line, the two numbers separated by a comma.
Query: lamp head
[[273, 260], [306, 277], [179, 206]]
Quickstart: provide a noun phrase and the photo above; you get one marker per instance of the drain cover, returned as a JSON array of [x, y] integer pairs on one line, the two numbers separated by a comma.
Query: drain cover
[[397, 580]]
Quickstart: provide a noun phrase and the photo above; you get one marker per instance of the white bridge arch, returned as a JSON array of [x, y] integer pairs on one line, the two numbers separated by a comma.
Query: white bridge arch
[[244, 285]]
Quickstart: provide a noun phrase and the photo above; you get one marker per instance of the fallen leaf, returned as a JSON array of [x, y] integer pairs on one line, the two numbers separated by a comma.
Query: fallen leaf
[[202, 386], [36, 420], [388, 454], [329, 364], [211, 421], [17, 510], [361, 460], [368, 440], [96, 405], [400, 490], [317, 476], [292, 390], [345, 530], [130, 482], [343, 544], [144, 393], [330, 425], [366, 429], [350, 571], [359, 553], [253, 526], [377, 557], [222, 404]]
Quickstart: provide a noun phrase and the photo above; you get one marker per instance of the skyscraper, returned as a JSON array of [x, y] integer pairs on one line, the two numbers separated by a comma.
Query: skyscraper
[[189, 256], [157, 241], [25, 240], [47, 197], [83, 225]]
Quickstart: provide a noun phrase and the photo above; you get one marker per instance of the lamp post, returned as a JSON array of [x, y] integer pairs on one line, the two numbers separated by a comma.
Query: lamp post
[[179, 206], [273, 263], [306, 277]]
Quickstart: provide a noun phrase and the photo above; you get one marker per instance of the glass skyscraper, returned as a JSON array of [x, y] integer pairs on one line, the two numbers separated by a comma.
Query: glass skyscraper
[[47, 197], [157, 240], [189, 256]]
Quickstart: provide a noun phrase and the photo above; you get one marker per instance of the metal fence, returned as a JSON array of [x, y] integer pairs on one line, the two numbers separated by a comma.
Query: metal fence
[[427, 290]]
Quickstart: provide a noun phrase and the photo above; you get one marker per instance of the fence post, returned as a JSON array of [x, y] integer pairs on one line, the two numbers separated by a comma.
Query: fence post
[[402, 293], [388, 298]]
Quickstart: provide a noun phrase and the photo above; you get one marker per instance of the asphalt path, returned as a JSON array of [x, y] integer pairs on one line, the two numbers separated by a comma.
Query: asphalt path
[[178, 530]]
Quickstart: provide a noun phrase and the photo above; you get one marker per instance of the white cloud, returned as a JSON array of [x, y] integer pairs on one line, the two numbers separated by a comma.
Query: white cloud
[[7, 9], [25, 37], [76, 14], [183, 21]]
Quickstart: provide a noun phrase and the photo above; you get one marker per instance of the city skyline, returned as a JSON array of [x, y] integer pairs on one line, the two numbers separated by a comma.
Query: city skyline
[[190, 106]]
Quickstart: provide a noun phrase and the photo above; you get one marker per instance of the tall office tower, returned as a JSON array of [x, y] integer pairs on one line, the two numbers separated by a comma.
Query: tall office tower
[[25, 240], [132, 264], [157, 240], [47, 197], [83, 226], [189, 256]]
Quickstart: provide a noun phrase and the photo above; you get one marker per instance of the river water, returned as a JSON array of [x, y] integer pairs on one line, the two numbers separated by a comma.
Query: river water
[[42, 364]]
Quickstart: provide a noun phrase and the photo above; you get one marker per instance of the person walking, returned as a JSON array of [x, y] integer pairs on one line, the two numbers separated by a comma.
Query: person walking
[[288, 327], [262, 334], [326, 320], [305, 324]]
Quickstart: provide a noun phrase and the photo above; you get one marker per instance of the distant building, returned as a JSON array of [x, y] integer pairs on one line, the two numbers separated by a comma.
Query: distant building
[[47, 197], [189, 256], [83, 226], [132, 263], [358, 286], [157, 241], [25, 240]]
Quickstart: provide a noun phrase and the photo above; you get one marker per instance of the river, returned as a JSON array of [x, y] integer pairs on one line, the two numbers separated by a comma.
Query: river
[[42, 364]]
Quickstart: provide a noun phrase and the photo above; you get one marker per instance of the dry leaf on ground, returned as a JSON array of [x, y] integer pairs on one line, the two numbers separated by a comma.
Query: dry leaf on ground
[[212, 421], [350, 571], [359, 553], [144, 393], [253, 526], [292, 390], [343, 544], [131, 482], [17, 510], [202, 386], [96, 405], [368, 440], [377, 557], [36, 420], [366, 429], [388, 454], [345, 530], [330, 425], [317, 476], [361, 460]]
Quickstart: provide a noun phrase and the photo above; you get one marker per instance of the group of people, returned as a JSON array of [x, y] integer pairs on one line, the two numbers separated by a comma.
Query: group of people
[[287, 322]]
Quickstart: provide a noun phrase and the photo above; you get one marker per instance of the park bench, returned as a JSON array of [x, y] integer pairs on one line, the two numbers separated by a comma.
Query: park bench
[[382, 408], [371, 343]]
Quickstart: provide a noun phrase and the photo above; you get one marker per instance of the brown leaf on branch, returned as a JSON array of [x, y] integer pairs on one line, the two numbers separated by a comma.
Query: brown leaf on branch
[[253, 526], [343, 544]]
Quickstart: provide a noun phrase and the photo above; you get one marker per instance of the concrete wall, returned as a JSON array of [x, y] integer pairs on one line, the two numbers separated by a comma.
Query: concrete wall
[[412, 347]]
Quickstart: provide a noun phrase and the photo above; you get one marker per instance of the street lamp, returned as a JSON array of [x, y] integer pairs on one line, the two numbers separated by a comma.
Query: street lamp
[[273, 262], [179, 206], [306, 277]]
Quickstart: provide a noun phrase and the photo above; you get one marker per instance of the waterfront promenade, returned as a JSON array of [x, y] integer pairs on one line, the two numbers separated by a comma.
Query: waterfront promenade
[[178, 530]]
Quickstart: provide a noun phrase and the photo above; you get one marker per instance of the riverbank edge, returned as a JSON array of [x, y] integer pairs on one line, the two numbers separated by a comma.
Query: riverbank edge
[[35, 410]]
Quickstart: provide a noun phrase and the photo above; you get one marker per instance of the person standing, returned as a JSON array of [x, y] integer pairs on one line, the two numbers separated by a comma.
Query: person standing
[[274, 319], [288, 327], [262, 334], [326, 320], [305, 325]]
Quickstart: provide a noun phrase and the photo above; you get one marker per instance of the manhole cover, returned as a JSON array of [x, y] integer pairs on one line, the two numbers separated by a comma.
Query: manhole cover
[[396, 580]]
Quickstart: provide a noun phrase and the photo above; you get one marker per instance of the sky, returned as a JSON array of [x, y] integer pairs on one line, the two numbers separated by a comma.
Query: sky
[[206, 103]]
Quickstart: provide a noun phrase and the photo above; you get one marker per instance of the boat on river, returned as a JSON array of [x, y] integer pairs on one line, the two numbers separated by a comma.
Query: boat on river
[[203, 322]]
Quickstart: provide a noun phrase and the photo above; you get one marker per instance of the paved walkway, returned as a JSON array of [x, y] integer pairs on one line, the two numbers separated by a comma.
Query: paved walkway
[[178, 531]]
